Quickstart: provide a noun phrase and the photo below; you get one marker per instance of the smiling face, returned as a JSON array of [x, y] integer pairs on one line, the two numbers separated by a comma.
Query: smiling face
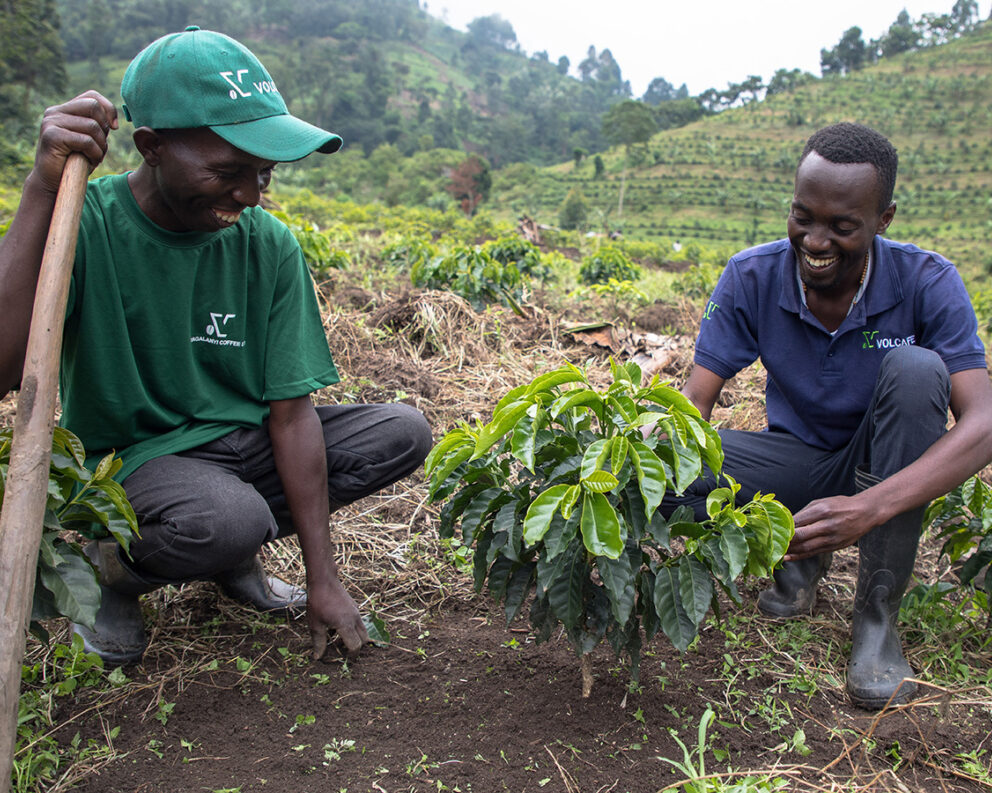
[[834, 217], [193, 180]]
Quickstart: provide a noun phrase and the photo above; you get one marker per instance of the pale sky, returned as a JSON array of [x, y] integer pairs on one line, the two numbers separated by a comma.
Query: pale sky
[[703, 43]]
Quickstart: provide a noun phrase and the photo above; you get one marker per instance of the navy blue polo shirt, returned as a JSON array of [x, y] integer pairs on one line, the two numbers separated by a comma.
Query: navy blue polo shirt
[[819, 385]]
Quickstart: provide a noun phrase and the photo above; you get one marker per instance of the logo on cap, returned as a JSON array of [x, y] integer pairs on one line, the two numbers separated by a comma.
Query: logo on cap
[[263, 87]]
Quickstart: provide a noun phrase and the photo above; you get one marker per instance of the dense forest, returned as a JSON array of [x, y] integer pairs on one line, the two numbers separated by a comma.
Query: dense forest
[[386, 73]]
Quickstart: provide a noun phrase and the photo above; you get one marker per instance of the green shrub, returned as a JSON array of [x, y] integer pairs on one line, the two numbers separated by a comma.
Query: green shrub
[[559, 495], [606, 263], [408, 253], [472, 274], [525, 256], [89, 503], [963, 520]]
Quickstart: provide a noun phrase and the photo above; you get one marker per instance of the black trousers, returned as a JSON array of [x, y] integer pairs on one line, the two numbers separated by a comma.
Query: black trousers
[[207, 509]]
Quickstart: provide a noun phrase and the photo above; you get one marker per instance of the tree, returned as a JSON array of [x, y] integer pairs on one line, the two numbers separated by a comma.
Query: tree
[[964, 15], [628, 123], [677, 113], [31, 57], [786, 80], [492, 31], [659, 90], [563, 64], [470, 183], [848, 56], [900, 37], [574, 211]]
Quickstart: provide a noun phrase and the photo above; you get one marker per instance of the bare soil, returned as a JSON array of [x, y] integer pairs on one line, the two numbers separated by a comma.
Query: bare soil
[[458, 702]]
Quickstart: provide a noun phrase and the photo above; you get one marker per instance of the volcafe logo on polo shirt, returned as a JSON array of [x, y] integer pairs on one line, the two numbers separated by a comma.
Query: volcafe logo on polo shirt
[[216, 332], [875, 342], [235, 79]]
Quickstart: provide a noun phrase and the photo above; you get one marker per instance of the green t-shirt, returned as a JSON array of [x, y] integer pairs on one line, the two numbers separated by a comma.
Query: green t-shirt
[[176, 339]]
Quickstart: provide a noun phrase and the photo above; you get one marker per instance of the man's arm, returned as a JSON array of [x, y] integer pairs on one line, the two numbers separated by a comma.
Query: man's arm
[[831, 523], [300, 456], [702, 388], [82, 125]]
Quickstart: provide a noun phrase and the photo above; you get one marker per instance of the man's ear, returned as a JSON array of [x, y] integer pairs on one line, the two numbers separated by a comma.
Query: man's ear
[[149, 144], [886, 218]]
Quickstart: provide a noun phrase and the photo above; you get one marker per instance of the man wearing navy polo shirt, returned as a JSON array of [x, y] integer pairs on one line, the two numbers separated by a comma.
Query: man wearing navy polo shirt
[[866, 343]]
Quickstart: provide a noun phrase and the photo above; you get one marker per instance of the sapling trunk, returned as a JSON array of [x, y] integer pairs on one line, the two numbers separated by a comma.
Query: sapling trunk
[[586, 665]]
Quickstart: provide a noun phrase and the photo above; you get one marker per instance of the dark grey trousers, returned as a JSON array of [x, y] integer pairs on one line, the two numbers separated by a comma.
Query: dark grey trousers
[[208, 509], [907, 414]]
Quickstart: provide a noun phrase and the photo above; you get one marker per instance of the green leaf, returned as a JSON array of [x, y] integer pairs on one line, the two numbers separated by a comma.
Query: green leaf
[[676, 624], [565, 594], [457, 437], [475, 514], [594, 458], [651, 479], [733, 546], [74, 587], [523, 442], [541, 511], [569, 500], [672, 399], [559, 377], [618, 577], [717, 499], [695, 589], [446, 467], [502, 423], [516, 591], [104, 467], [506, 523], [560, 535], [64, 440], [713, 450], [376, 629], [599, 482], [618, 453], [600, 526], [578, 397]]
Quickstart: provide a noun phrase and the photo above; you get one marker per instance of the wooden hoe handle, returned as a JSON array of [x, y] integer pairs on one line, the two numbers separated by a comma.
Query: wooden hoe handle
[[27, 477]]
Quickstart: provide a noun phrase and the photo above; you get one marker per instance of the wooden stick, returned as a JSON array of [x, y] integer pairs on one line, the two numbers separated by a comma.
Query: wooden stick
[[27, 477]]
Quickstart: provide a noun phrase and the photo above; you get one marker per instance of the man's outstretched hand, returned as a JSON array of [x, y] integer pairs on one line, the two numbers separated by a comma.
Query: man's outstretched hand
[[330, 608], [828, 524]]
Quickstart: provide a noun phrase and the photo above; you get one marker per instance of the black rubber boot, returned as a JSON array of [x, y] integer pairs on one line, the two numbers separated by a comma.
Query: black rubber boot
[[247, 583], [878, 669], [794, 589], [118, 635]]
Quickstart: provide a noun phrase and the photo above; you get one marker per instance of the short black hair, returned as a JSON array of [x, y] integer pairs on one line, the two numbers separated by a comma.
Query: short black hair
[[855, 143]]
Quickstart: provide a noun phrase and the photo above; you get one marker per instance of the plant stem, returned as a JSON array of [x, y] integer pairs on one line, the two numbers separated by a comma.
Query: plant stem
[[586, 665]]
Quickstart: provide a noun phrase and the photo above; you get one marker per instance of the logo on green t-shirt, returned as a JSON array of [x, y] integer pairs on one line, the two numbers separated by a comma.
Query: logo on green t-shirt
[[215, 331]]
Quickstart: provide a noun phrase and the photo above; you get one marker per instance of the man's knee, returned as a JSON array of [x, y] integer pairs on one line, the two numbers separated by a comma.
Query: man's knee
[[202, 533], [914, 380]]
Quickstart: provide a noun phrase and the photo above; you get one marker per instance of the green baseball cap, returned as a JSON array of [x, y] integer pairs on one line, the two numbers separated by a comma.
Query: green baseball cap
[[199, 78]]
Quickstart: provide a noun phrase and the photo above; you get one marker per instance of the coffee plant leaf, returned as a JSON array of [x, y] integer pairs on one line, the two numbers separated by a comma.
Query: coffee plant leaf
[[541, 511], [565, 593], [595, 456], [502, 423], [651, 478], [73, 586], [695, 588], [600, 482], [578, 398], [517, 590], [675, 622], [523, 442], [619, 577], [600, 526]]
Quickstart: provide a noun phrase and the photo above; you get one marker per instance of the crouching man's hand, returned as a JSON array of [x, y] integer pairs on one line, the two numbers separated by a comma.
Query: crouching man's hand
[[330, 607]]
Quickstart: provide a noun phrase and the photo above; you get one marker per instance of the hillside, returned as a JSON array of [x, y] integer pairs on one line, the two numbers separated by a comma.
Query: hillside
[[728, 178], [378, 72]]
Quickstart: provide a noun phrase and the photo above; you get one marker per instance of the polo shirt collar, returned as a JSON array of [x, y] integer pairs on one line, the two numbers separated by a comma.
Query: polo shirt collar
[[884, 289]]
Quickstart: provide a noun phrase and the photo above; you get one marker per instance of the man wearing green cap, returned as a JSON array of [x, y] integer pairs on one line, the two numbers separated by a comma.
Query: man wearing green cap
[[193, 342]]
